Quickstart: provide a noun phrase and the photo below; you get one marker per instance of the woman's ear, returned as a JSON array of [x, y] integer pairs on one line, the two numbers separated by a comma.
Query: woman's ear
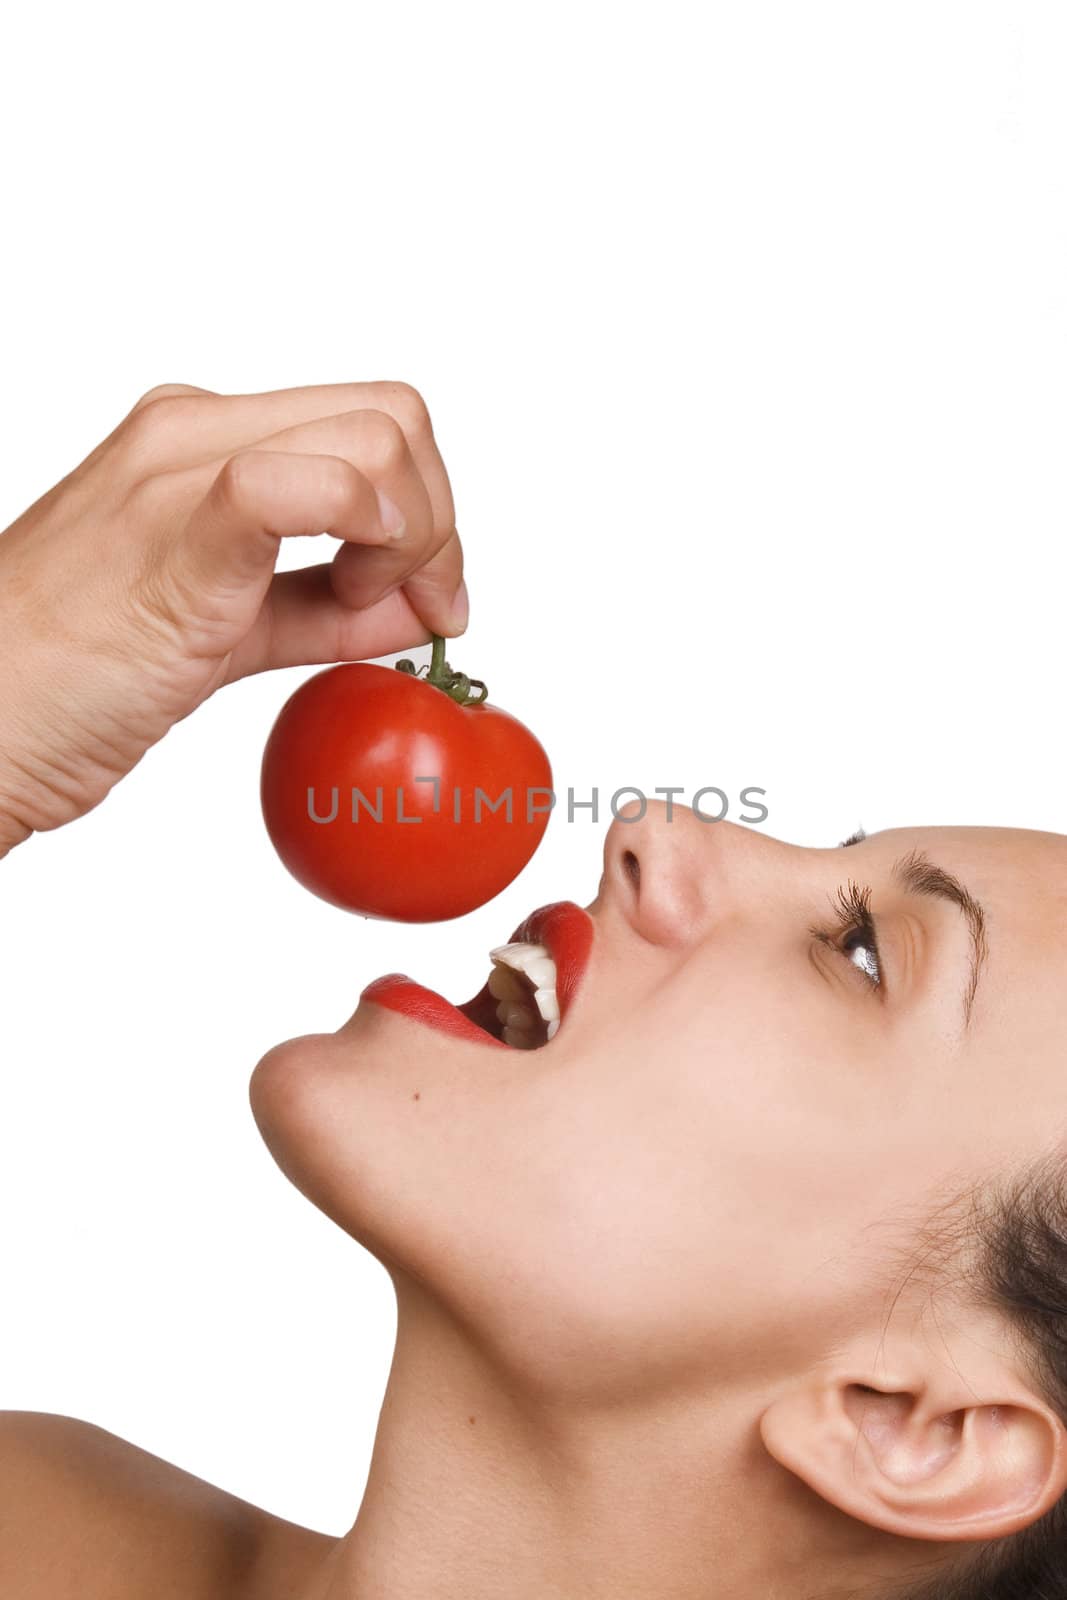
[[923, 1455]]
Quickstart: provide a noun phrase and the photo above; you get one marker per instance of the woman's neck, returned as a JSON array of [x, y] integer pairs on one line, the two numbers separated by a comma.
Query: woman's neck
[[474, 1493]]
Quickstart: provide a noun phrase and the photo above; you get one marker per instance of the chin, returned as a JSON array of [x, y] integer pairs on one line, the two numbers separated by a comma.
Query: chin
[[318, 1103], [372, 1125]]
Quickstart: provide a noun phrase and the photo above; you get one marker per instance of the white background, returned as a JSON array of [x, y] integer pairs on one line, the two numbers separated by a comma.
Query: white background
[[743, 330]]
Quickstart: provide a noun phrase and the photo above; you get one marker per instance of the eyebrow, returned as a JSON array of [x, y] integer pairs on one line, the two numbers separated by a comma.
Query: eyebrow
[[917, 874]]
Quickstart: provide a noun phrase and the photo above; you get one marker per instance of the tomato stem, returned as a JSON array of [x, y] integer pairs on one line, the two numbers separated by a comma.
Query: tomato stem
[[438, 664], [456, 685]]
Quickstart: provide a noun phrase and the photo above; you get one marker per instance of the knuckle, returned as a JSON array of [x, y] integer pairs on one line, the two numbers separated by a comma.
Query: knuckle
[[167, 391], [383, 444], [409, 408], [155, 421]]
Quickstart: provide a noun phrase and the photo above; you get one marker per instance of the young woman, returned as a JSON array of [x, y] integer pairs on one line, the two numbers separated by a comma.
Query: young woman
[[751, 1281]]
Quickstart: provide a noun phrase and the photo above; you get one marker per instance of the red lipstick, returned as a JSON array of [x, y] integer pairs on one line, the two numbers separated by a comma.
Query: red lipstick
[[566, 931]]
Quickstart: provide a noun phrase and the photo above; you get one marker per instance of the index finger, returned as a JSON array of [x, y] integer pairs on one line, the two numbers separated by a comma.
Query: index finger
[[221, 424]]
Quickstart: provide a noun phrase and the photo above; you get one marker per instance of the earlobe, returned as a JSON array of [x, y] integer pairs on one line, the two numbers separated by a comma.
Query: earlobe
[[924, 1461]]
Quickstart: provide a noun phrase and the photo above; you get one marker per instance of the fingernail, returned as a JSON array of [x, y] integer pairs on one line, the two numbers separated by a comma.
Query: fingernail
[[392, 518], [460, 607]]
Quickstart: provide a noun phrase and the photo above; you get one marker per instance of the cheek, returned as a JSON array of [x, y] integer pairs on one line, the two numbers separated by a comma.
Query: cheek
[[691, 1195], [648, 1232]]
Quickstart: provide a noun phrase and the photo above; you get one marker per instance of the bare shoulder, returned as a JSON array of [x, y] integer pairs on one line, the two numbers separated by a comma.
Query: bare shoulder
[[84, 1515]]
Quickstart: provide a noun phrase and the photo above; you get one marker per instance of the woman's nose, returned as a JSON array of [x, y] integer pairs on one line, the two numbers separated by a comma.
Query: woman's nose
[[662, 866]]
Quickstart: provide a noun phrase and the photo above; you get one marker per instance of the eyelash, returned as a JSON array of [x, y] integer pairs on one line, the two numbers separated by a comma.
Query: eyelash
[[853, 915]]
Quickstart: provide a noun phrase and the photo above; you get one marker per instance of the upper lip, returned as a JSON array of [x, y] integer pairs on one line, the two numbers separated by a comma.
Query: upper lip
[[566, 931]]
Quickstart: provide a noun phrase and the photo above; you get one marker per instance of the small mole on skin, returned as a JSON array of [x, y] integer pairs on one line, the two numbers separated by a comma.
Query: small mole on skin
[[470, 1419], [416, 1095]]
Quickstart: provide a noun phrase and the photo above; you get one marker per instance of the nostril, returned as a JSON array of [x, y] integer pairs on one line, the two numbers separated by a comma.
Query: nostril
[[632, 868]]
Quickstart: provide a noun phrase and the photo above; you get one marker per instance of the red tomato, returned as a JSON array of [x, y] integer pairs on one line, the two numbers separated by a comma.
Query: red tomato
[[352, 808]]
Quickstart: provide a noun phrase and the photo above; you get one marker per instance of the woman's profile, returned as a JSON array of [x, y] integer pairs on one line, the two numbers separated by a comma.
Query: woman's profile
[[747, 1280]]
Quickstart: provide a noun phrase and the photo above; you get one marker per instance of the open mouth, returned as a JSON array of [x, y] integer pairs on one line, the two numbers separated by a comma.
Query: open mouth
[[525, 999]]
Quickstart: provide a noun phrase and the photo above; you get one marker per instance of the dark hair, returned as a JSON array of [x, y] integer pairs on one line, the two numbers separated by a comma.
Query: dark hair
[[1016, 1233]]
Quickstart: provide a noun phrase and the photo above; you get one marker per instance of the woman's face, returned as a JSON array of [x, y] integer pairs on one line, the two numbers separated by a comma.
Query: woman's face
[[752, 1101]]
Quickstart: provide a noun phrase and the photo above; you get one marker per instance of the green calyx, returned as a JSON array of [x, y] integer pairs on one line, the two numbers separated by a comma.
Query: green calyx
[[456, 685]]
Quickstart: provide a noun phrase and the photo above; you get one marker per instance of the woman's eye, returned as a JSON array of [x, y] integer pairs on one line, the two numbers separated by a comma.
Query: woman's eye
[[852, 933], [860, 948]]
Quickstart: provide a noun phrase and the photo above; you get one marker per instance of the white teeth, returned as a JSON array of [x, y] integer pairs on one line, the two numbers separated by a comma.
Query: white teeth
[[514, 955], [523, 981], [547, 1004], [541, 972]]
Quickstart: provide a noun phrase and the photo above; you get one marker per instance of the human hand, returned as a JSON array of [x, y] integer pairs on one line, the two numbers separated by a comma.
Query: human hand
[[145, 579]]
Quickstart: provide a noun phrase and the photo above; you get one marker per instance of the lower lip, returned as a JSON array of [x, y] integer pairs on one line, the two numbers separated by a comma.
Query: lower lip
[[566, 931]]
